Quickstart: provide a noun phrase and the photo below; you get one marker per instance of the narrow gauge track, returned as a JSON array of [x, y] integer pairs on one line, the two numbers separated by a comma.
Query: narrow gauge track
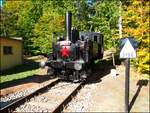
[[58, 94], [10, 107]]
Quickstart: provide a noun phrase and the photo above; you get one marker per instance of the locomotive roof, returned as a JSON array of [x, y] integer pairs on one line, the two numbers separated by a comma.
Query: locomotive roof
[[90, 33], [85, 32]]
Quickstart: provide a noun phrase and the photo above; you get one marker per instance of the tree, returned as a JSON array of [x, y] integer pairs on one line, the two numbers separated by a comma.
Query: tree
[[29, 15], [52, 20], [35, 21], [18, 19], [136, 23], [106, 21], [9, 16]]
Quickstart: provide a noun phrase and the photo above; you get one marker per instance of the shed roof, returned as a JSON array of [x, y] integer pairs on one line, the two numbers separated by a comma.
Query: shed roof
[[12, 38]]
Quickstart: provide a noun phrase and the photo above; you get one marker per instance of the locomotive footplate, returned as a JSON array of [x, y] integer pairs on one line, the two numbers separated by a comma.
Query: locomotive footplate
[[67, 70], [72, 70], [64, 65]]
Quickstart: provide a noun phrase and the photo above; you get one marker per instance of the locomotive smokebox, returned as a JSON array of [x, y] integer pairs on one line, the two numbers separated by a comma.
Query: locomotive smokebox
[[68, 25]]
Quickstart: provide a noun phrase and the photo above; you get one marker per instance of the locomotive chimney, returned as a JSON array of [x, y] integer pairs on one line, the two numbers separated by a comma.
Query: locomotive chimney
[[68, 24]]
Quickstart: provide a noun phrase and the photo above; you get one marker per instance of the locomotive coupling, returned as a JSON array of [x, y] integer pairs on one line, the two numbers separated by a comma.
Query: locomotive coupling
[[77, 66]]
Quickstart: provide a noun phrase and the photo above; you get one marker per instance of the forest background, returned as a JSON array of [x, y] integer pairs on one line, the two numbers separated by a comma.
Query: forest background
[[36, 20]]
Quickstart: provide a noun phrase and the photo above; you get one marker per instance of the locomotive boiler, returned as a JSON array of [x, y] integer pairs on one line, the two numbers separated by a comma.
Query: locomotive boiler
[[72, 58]]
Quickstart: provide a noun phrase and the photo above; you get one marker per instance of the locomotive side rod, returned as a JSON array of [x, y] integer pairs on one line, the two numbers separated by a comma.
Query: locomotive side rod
[[10, 107]]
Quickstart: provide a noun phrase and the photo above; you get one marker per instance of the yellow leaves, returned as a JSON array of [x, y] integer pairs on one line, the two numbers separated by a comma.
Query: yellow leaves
[[133, 32], [137, 2], [143, 60], [136, 23], [59, 21], [11, 5], [141, 53]]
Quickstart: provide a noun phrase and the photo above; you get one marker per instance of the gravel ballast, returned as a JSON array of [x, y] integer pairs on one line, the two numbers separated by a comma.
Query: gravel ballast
[[48, 101], [82, 101], [5, 100]]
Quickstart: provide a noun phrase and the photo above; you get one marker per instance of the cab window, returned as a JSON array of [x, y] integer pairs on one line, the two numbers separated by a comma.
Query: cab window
[[82, 37], [95, 38]]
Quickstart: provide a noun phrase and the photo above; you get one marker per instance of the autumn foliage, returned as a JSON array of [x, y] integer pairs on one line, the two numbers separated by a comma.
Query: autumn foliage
[[136, 23]]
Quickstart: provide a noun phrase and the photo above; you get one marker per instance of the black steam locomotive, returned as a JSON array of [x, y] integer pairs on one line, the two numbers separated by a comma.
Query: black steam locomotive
[[72, 58]]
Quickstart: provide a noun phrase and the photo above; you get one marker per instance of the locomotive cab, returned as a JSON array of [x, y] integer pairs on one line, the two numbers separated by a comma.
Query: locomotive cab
[[96, 45]]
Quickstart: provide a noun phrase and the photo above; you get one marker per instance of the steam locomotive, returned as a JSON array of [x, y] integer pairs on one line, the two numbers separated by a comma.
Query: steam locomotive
[[72, 58]]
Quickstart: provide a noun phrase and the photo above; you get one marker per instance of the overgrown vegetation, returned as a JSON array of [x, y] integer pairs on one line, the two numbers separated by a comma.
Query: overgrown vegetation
[[35, 21]]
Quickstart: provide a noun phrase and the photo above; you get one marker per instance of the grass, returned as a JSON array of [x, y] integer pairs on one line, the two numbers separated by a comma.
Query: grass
[[29, 68], [15, 76]]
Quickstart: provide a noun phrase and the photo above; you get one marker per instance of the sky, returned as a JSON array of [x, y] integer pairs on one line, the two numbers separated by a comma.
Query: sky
[[1, 2]]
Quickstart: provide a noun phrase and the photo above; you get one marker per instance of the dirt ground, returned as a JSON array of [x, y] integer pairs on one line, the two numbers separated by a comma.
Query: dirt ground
[[109, 95]]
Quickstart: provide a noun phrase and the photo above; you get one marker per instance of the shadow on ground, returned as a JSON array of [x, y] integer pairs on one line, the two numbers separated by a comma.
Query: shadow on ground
[[26, 66], [140, 84], [103, 68], [30, 79]]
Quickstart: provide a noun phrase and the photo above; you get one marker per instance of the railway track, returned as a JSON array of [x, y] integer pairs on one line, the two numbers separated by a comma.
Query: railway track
[[50, 98]]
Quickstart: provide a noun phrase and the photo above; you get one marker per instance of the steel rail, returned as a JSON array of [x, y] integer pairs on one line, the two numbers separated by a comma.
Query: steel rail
[[10, 107], [60, 107]]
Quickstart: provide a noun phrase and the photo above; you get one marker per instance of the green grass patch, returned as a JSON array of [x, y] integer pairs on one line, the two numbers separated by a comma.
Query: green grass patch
[[21, 75], [27, 69]]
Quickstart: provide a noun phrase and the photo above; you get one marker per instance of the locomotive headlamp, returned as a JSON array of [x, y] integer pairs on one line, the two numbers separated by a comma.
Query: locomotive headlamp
[[78, 66], [42, 64]]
